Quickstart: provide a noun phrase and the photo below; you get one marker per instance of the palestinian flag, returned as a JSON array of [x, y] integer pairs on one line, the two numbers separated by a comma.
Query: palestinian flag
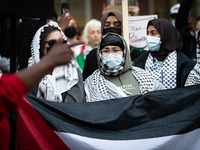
[[166, 120], [80, 58]]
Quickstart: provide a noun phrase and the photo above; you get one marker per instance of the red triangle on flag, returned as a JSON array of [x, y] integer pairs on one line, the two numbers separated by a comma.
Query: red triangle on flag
[[33, 132]]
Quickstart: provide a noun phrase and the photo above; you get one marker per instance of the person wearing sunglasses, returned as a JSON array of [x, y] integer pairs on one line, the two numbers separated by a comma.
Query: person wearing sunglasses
[[116, 77], [64, 83]]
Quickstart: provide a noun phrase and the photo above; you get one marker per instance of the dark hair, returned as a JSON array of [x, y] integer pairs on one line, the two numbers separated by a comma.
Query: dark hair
[[25, 33], [149, 24], [43, 36], [55, 15], [111, 14], [78, 32]]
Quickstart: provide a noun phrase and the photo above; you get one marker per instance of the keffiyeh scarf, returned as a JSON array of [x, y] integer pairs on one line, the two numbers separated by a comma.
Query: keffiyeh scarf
[[194, 76], [62, 78], [166, 72], [97, 88], [104, 68]]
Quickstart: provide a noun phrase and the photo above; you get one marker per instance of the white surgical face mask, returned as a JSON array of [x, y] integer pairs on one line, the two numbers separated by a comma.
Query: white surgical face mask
[[153, 43], [113, 60]]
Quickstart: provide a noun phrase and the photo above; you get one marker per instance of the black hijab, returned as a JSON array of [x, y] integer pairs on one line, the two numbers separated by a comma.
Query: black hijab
[[115, 13], [112, 40], [170, 38]]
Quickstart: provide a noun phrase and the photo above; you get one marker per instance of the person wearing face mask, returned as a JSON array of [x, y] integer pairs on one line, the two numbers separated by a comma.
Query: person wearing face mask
[[111, 21], [164, 60], [116, 77], [72, 33]]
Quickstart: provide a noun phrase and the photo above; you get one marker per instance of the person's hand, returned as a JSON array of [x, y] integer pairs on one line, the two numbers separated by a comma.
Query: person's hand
[[134, 10], [60, 54], [63, 21], [145, 92], [105, 9]]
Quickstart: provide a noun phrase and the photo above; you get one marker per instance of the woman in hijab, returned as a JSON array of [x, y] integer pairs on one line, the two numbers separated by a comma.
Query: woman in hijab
[[65, 83], [111, 21], [116, 77], [165, 61], [194, 76]]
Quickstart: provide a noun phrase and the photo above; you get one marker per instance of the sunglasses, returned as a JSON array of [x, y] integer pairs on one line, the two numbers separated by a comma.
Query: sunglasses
[[51, 43]]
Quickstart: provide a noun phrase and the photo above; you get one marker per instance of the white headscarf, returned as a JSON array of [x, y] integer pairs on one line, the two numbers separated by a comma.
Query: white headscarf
[[61, 79]]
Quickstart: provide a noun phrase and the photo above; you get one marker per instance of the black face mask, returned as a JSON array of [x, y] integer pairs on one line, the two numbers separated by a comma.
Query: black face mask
[[70, 32], [113, 30]]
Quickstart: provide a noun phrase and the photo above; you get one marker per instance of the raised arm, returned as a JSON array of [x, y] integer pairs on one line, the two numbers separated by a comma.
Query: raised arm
[[182, 16]]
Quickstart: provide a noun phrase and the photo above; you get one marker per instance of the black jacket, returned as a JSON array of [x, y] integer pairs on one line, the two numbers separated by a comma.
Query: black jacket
[[184, 66], [189, 42]]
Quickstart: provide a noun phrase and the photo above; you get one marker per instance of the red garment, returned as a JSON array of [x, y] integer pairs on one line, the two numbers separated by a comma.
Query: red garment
[[12, 90]]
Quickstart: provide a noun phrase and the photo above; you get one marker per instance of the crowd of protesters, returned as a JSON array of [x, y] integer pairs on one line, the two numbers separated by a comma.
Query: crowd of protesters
[[62, 68]]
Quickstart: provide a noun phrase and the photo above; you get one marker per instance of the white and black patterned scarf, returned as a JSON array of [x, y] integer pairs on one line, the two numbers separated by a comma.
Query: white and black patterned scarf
[[97, 88], [194, 75], [104, 68], [166, 72], [48, 86]]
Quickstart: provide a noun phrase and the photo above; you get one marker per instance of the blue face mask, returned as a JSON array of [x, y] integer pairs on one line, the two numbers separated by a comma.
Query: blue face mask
[[113, 60], [153, 43]]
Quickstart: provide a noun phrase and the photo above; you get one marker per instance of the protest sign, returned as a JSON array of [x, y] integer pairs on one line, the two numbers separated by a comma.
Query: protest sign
[[138, 31]]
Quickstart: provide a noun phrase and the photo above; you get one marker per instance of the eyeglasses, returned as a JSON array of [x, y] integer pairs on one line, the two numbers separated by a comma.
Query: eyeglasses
[[51, 43], [107, 51]]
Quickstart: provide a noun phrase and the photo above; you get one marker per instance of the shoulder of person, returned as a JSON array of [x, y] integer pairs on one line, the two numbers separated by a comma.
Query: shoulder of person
[[92, 53], [184, 60]]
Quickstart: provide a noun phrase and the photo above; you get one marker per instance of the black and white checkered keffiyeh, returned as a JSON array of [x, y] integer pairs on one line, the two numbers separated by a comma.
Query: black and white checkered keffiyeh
[[47, 88], [164, 73], [97, 88], [194, 75], [104, 68]]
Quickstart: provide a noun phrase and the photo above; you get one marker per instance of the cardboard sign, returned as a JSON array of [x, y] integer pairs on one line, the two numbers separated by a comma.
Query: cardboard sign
[[138, 31]]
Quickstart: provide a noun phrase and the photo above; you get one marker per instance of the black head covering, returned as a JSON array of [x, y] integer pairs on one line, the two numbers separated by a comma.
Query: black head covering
[[115, 13], [112, 40], [170, 37]]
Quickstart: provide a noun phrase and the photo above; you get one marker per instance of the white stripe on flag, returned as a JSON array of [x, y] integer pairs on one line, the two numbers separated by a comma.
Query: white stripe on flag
[[188, 141]]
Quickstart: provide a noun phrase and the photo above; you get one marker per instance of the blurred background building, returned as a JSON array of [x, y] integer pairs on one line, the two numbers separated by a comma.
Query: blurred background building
[[84, 10]]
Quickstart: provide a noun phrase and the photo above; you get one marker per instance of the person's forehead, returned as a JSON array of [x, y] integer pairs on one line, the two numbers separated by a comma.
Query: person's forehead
[[54, 35], [151, 28], [94, 28], [112, 19], [72, 23]]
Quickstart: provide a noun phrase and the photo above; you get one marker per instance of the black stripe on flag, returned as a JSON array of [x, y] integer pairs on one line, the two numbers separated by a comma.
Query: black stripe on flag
[[156, 114]]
